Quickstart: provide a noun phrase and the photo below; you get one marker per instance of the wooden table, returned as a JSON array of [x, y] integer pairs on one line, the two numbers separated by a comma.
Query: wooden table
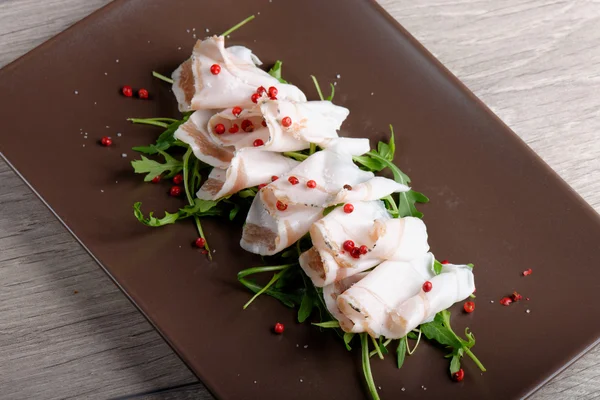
[[67, 331]]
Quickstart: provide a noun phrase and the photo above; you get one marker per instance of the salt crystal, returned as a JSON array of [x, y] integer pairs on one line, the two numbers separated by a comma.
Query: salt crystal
[[301, 380], [258, 13], [188, 31], [119, 134], [228, 36], [179, 48], [123, 155], [194, 29], [214, 250], [527, 311], [194, 36], [372, 93], [492, 301], [379, 387], [95, 103], [334, 83], [148, 41], [117, 60], [76, 92], [306, 346], [424, 388], [403, 389], [107, 126], [297, 345], [84, 145], [254, 381], [116, 181], [101, 191], [338, 76], [207, 30], [106, 73]]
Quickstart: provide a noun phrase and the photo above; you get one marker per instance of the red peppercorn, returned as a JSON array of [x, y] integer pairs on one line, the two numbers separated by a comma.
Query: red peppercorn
[[106, 141], [261, 90], [234, 128], [516, 296], [255, 97], [215, 69], [274, 178], [506, 301], [178, 179], [427, 286], [363, 249], [264, 123], [143, 94], [293, 180], [219, 129], [347, 187], [205, 252], [127, 91], [355, 252], [527, 272], [348, 208], [273, 92], [258, 143], [458, 375], [175, 191], [281, 206], [262, 185], [156, 179], [278, 328], [200, 242], [445, 262], [237, 110], [469, 307], [311, 184], [348, 245], [286, 122], [245, 124]]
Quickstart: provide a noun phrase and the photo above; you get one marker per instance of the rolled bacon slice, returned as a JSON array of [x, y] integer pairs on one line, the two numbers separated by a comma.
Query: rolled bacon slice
[[281, 213], [194, 132], [311, 122], [374, 189], [197, 88], [333, 291], [370, 225], [390, 300], [249, 167]]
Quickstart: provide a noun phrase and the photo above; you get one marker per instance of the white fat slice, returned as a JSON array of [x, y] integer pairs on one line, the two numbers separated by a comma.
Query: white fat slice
[[455, 283], [196, 88], [311, 122], [370, 225], [331, 293], [370, 303], [268, 229], [249, 167], [194, 133], [376, 188]]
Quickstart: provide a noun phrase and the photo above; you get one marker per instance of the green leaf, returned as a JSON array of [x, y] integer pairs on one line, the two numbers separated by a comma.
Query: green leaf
[[330, 209], [454, 364], [327, 324], [412, 335], [369, 164], [164, 141], [250, 192], [275, 71], [401, 351], [306, 307], [151, 220], [437, 267], [330, 97], [406, 205], [437, 331], [201, 208], [234, 211], [348, 336], [152, 168]]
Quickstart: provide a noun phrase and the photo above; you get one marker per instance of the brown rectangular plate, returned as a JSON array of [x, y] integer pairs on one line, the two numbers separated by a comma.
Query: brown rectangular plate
[[493, 201]]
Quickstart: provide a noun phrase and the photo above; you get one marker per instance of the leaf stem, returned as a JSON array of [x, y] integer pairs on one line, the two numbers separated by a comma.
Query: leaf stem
[[237, 26], [317, 87], [186, 185], [385, 344], [366, 365], [274, 279], [313, 148], [475, 359], [148, 121], [295, 155], [162, 77], [377, 349], [257, 270], [410, 352]]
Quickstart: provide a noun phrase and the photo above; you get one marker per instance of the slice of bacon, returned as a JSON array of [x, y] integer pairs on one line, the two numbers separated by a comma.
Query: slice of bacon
[[196, 88], [194, 132], [312, 122], [249, 167]]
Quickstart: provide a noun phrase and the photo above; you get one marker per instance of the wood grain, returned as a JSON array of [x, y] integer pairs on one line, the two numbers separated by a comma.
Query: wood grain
[[535, 63]]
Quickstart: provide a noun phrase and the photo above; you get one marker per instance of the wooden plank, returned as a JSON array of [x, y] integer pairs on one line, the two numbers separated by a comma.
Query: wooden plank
[[534, 63]]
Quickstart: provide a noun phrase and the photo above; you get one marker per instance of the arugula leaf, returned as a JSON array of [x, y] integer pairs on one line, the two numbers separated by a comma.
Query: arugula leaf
[[165, 140], [153, 168], [330, 209], [437, 267], [234, 211], [406, 205], [327, 324], [412, 335], [275, 71], [330, 97], [440, 330], [250, 192], [201, 208], [347, 339], [306, 307], [401, 351]]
